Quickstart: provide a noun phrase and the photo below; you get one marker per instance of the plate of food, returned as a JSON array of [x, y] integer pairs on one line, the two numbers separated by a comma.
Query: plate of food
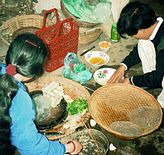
[[102, 75], [61, 105]]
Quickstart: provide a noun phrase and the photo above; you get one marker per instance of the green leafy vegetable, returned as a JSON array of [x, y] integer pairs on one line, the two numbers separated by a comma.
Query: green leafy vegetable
[[77, 106]]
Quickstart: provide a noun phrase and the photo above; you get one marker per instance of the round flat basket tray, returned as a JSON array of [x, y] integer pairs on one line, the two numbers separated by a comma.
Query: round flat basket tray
[[126, 111], [19, 24], [74, 90], [80, 23]]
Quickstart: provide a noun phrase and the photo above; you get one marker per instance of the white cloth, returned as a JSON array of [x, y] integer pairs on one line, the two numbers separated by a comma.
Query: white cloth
[[147, 51], [147, 55]]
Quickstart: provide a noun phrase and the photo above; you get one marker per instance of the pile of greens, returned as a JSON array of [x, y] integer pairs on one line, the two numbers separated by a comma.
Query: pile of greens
[[77, 106]]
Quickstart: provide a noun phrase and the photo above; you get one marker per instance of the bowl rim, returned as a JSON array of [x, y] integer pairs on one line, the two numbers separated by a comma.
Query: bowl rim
[[107, 58], [90, 132], [106, 42]]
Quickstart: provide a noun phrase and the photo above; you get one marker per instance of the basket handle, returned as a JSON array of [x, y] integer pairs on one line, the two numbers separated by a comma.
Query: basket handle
[[68, 20], [46, 12]]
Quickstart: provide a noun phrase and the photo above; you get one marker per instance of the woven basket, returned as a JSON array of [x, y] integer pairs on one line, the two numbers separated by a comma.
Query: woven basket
[[72, 89], [88, 35], [80, 23], [13, 25], [126, 111]]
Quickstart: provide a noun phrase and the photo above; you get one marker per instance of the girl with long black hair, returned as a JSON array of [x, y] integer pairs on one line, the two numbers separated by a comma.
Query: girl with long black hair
[[24, 61]]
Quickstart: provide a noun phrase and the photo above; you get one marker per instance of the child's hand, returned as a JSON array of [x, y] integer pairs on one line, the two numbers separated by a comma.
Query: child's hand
[[73, 147]]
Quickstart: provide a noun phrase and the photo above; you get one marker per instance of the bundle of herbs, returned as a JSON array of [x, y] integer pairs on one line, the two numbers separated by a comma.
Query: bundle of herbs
[[77, 106]]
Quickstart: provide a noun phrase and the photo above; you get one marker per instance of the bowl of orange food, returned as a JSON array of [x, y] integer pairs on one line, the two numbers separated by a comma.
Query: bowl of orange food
[[97, 58], [104, 45]]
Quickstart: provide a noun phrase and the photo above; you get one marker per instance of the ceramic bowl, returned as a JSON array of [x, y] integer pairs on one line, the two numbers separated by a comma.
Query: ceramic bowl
[[94, 142], [97, 58], [104, 46], [101, 76]]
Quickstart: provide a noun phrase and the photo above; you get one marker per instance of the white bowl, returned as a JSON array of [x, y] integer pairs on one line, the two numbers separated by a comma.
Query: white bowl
[[104, 46], [96, 58], [101, 76]]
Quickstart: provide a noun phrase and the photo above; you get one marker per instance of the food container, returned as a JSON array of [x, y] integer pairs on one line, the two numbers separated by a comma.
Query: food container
[[115, 37], [126, 111], [104, 46], [48, 115], [97, 58], [52, 120], [94, 142], [101, 76]]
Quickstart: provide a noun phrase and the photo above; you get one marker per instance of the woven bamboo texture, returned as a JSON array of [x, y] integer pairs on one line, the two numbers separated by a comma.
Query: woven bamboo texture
[[72, 89], [19, 22], [127, 104], [88, 35], [88, 32]]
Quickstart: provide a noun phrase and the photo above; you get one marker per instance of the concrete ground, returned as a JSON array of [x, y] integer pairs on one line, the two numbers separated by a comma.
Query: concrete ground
[[148, 145]]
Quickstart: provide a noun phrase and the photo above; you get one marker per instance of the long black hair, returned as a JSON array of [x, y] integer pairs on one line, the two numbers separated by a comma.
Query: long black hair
[[27, 52], [135, 16], [8, 89]]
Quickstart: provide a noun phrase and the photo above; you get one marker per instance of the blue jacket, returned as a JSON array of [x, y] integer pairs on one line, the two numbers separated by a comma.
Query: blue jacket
[[24, 134]]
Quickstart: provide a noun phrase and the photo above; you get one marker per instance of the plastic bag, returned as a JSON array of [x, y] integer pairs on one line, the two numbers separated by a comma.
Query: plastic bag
[[74, 69], [94, 11], [103, 12]]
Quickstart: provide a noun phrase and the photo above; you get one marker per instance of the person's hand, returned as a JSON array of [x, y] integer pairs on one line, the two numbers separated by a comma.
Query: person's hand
[[125, 80], [73, 147], [117, 76]]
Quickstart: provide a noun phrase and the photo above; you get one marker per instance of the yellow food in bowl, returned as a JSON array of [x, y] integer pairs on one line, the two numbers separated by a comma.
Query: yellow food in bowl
[[97, 60], [104, 44]]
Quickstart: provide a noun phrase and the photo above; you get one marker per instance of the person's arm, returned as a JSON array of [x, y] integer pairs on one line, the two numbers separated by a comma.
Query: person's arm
[[24, 134], [118, 75], [130, 60], [152, 79]]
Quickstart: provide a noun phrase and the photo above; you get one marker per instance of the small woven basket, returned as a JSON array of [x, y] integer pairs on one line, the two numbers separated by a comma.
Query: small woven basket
[[23, 23], [126, 111], [88, 35]]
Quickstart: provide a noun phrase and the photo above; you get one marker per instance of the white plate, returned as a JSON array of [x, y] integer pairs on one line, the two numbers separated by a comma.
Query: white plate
[[101, 58], [101, 76]]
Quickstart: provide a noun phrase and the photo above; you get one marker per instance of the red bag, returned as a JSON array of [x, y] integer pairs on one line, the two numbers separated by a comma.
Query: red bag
[[60, 38]]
